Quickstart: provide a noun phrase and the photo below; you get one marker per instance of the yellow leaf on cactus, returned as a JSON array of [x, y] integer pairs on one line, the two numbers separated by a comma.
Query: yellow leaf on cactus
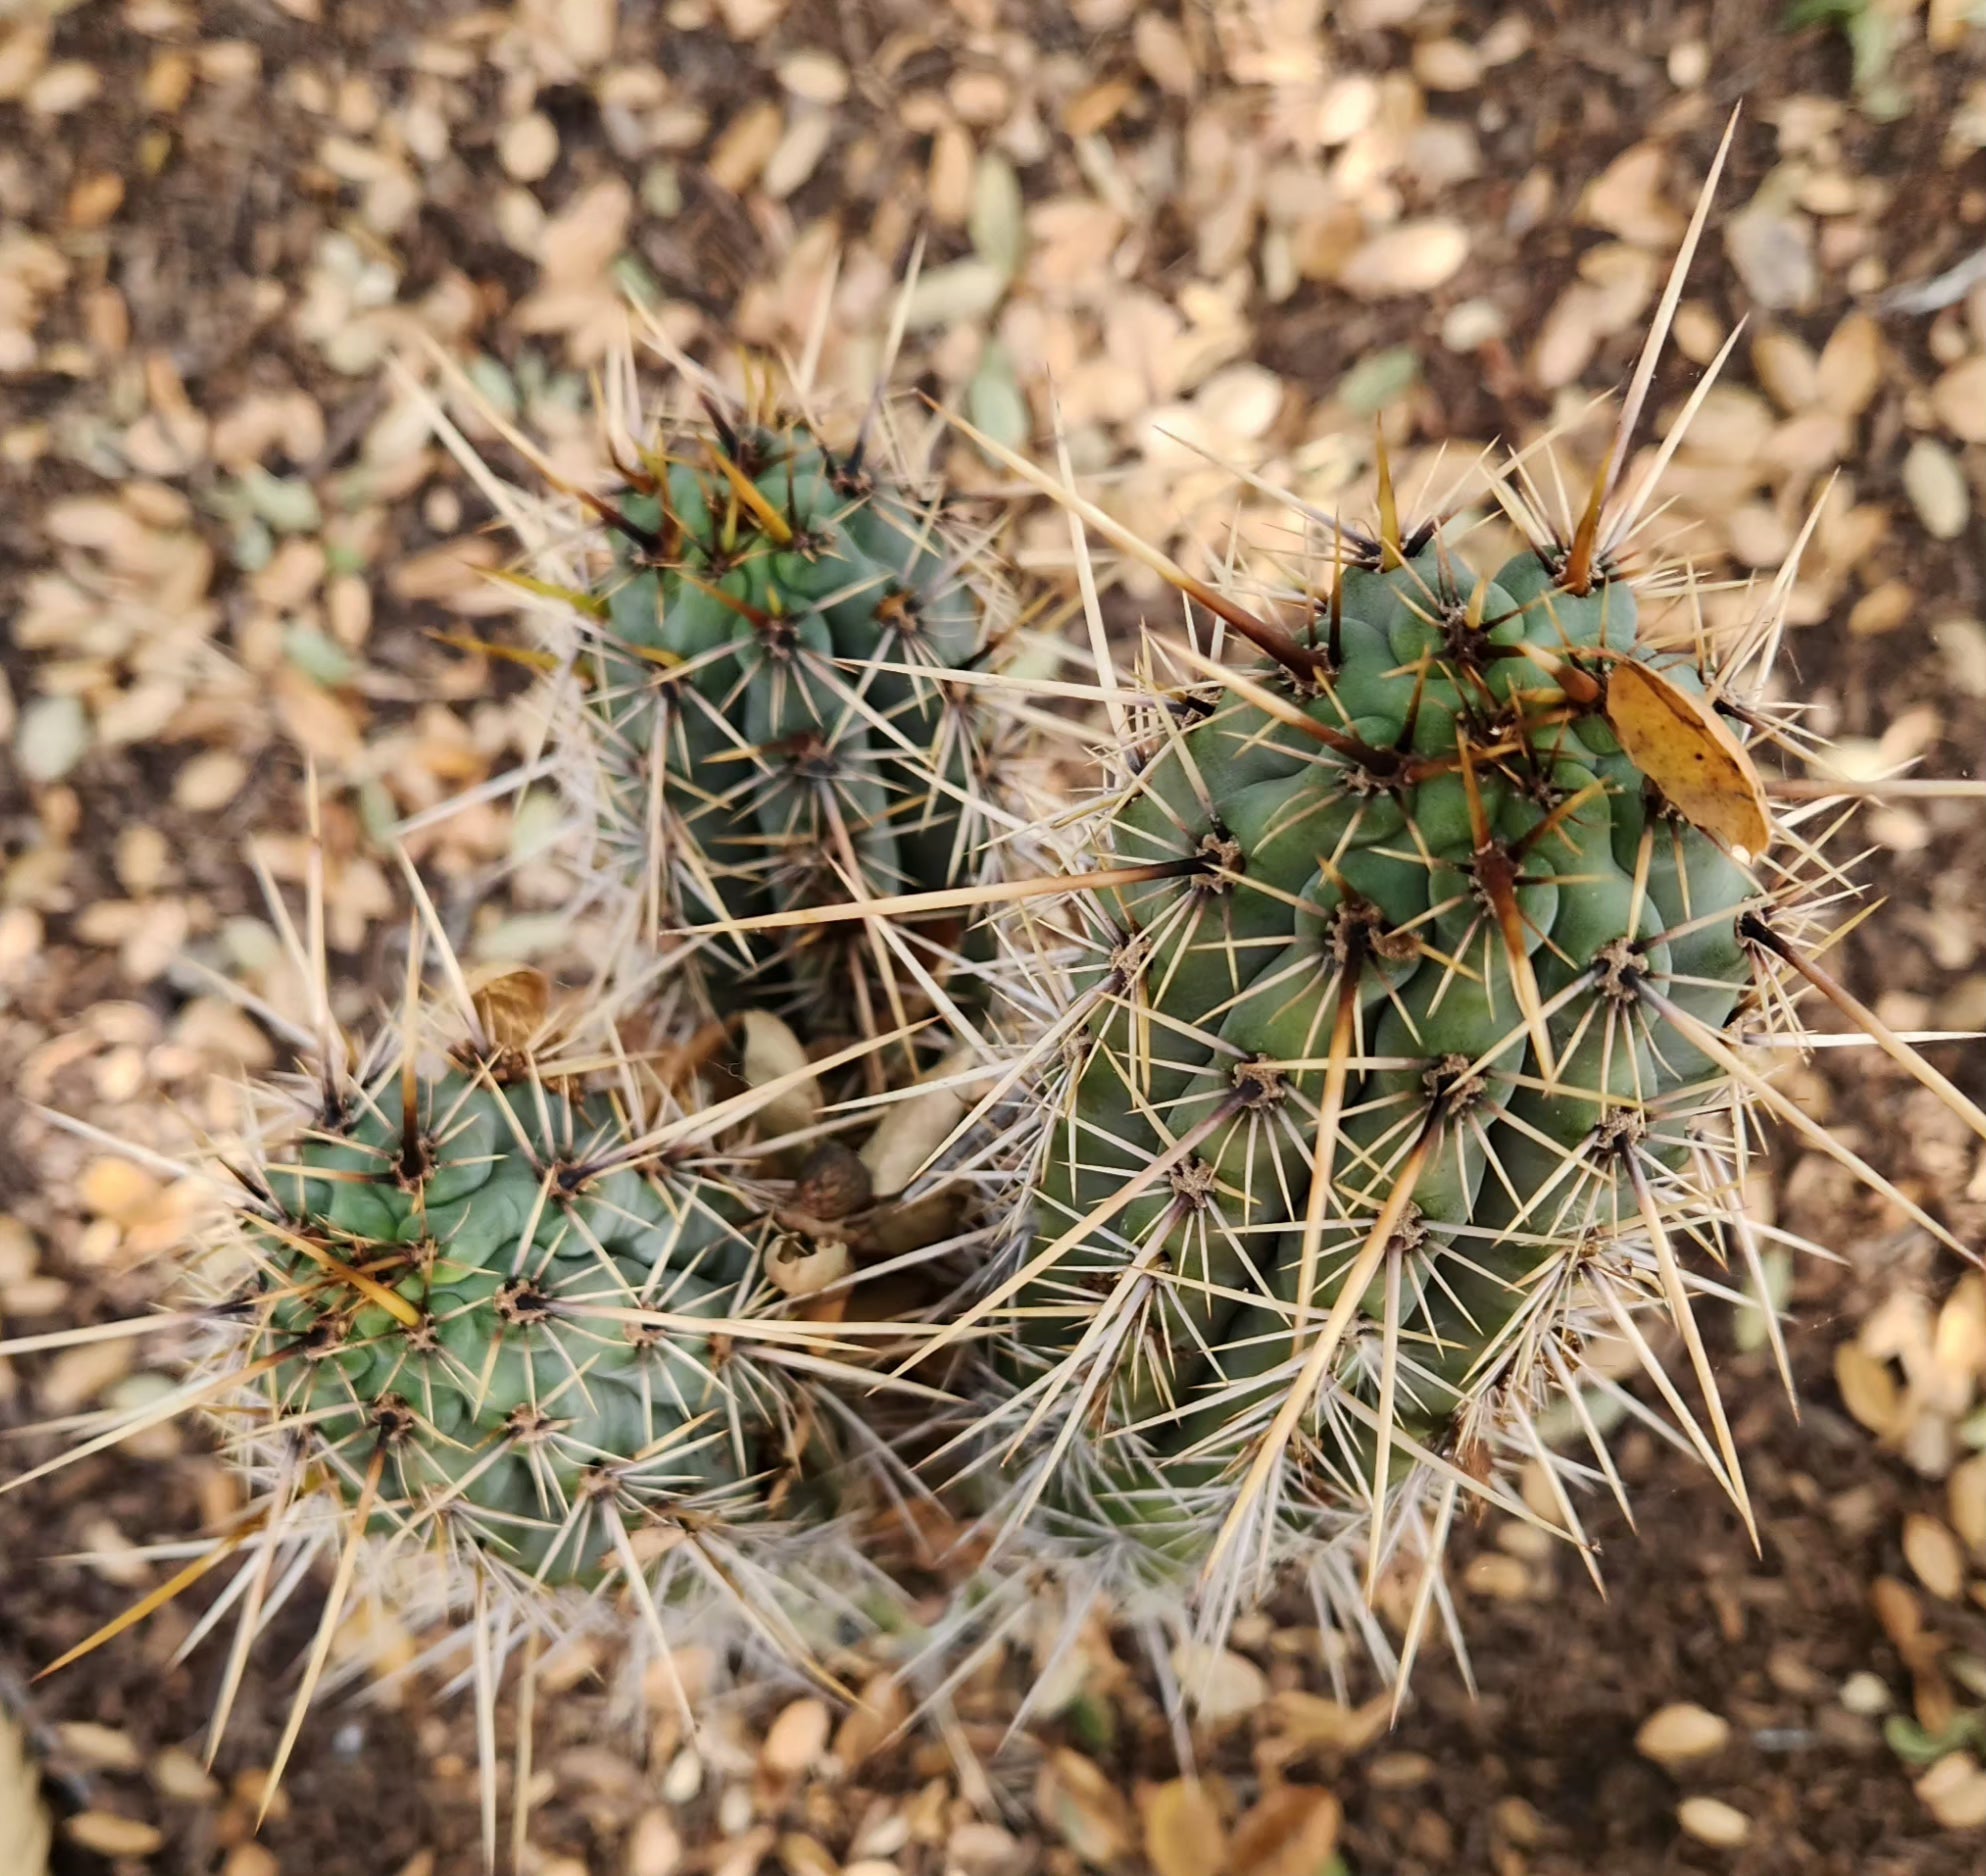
[[1686, 749], [512, 1005]]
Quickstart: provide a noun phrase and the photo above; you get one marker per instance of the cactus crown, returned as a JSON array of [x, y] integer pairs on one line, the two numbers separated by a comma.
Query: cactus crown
[[499, 1311], [1399, 1027]]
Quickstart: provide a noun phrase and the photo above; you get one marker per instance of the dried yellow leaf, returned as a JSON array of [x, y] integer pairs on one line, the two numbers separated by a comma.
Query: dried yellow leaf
[[1311, 1723], [1712, 1821], [773, 1053], [24, 1835], [1954, 1791], [1220, 1684], [111, 1834], [1680, 1732], [1688, 751], [511, 1004], [910, 1133], [1934, 1555], [796, 1738], [1291, 1832], [1966, 1490], [1869, 1390], [1184, 1835]]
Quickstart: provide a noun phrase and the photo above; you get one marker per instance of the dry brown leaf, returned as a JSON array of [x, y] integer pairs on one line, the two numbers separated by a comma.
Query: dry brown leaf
[[1312, 1723], [1946, 23], [913, 1130], [1184, 1835], [1687, 750], [1220, 1684], [111, 1834], [1292, 1832], [882, 1707], [1966, 1493], [802, 1267], [1851, 365], [1934, 479], [1869, 1389], [1958, 399], [1164, 53], [451, 575], [23, 55], [24, 1834], [1078, 1801], [583, 239], [1681, 1732], [511, 1004], [1954, 1791], [797, 1738], [1787, 368], [1627, 198], [1934, 1556], [772, 1052], [653, 1847], [320, 724], [1712, 1821], [1413, 257]]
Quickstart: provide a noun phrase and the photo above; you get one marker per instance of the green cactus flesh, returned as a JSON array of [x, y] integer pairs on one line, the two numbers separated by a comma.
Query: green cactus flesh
[[495, 1303], [1387, 1012], [769, 712]]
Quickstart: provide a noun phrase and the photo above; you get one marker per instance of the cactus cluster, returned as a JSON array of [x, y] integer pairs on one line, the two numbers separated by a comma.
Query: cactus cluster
[[1381, 1030]]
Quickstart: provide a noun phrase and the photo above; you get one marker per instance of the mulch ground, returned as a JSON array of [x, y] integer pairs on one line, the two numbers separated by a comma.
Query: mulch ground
[[229, 540]]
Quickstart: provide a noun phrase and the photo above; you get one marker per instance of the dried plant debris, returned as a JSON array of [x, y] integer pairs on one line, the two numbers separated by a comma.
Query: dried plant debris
[[24, 1828]]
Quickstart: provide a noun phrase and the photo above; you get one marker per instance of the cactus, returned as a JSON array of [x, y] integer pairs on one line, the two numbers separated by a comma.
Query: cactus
[[1379, 1050], [487, 1302], [1413, 988], [768, 723], [536, 1317]]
